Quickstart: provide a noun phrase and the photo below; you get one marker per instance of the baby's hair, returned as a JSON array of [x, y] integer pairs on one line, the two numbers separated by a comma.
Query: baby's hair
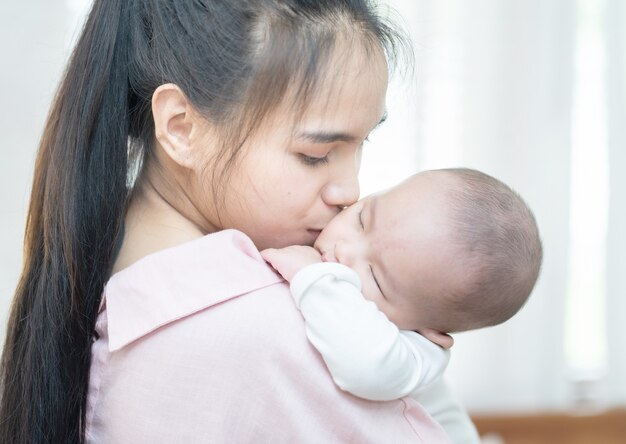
[[499, 247]]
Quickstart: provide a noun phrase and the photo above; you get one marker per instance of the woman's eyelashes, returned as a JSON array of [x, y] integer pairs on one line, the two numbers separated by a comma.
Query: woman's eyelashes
[[312, 160], [360, 214]]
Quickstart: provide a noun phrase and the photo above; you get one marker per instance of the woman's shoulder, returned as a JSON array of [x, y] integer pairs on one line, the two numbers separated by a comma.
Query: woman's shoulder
[[177, 282], [237, 371], [220, 249], [235, 367]]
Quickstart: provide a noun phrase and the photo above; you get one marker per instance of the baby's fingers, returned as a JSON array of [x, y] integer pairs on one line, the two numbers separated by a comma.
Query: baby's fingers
[[271, 255], [268, 253]]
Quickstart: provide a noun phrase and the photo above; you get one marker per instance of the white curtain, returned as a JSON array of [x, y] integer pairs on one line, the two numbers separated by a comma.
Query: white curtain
[[616, 242], [494, 90], [513, 83]]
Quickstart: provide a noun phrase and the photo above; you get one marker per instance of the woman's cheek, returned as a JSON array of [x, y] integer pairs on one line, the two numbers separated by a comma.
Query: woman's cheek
[[304, 187]]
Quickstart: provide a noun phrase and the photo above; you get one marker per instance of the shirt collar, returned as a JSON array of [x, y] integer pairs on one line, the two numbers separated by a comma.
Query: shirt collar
[[177, 282]]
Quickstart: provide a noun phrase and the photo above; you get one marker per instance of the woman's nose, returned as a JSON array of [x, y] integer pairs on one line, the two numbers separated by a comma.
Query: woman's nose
[[343, 190]]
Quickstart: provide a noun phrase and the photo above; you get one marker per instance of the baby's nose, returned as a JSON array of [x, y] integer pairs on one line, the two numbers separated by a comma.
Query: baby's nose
[[343, 253]]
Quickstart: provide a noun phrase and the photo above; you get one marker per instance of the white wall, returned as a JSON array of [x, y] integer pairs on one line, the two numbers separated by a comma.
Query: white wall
[[34, 37]]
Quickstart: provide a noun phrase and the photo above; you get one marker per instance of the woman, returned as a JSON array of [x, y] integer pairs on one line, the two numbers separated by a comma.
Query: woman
[[176, 120]]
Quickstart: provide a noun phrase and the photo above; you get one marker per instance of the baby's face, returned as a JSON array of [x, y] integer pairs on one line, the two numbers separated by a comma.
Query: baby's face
[[398, 243]]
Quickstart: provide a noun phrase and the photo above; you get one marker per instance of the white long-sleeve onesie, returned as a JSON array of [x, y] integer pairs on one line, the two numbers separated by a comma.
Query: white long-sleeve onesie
[[366, 354]]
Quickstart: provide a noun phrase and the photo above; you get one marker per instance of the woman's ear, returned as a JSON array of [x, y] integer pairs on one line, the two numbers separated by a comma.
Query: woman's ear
[[444, 340], [174, 121]]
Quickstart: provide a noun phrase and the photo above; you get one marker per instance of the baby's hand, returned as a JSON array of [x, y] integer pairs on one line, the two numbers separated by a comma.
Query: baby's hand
[[444, 340], [288, 261]]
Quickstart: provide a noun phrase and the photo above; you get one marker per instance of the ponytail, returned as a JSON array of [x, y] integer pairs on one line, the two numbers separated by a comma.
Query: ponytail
[[76, 210]]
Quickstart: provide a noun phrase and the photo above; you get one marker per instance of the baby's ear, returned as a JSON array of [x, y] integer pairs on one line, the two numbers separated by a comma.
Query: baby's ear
[[444, 340]]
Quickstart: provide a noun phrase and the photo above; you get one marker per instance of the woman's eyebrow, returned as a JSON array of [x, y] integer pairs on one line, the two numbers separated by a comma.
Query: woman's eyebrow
[[333, 136], [326, 137]]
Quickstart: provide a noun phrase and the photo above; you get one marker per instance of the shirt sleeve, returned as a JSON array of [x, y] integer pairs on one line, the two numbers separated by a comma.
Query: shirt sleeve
[[366, 354], [442, 405]]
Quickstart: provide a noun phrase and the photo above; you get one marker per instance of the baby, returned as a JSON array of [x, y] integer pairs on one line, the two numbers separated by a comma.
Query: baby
[[390, 276]]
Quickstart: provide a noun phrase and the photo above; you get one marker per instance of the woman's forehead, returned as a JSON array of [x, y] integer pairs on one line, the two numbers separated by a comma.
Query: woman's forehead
[[351, 88]]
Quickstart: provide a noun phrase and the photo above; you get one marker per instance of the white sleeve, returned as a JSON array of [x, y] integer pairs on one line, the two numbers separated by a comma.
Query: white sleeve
[[365, 353], [441, 404]]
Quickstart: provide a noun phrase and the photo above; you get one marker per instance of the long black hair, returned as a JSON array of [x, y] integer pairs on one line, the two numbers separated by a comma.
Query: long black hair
[[234, 60]]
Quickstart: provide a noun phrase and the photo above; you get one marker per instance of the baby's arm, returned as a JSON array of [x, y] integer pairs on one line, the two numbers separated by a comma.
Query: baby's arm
[[365, 353]]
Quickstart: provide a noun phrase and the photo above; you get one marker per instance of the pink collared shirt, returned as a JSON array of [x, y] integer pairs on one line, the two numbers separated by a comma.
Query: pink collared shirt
[[203, 343]]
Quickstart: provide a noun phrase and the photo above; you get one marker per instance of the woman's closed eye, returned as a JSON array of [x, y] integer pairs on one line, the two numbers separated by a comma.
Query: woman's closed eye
[[313, 160]]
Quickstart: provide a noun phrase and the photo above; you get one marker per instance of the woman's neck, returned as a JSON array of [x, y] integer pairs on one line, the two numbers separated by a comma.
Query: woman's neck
[[152, 224]]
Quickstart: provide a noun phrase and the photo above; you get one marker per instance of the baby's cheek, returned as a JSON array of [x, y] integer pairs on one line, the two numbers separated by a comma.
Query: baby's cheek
[[371, 294], [386, 307]]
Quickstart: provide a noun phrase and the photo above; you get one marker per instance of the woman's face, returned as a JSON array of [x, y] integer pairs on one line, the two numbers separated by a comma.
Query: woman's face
[[293, 178]]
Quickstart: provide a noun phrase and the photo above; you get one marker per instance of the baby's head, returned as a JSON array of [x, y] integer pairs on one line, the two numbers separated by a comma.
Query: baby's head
[[446, 250]]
